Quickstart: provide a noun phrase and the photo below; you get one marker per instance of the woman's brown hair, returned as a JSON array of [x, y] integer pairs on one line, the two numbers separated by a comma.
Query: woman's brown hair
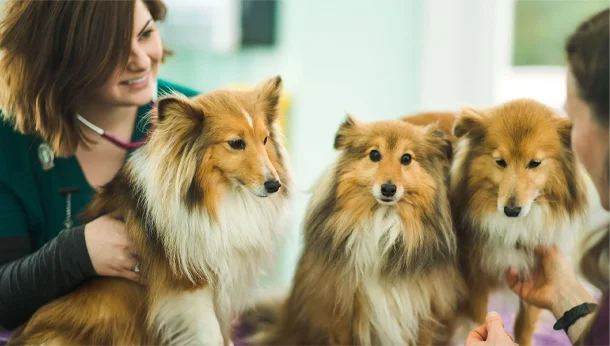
[[54, 53], [587, 54]]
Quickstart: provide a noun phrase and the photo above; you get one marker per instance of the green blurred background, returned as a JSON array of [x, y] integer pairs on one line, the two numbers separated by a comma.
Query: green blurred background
[[541, 28]]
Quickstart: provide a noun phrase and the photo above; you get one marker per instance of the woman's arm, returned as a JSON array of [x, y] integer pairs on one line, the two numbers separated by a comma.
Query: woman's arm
[[28, 281]]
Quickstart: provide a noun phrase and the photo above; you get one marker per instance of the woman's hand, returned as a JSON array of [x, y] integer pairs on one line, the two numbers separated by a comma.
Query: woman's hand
[[553, 286], [110, 249], [491, 333]]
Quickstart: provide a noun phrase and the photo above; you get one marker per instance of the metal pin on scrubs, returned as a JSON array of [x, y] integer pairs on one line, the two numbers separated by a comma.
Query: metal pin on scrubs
[[67, 192]]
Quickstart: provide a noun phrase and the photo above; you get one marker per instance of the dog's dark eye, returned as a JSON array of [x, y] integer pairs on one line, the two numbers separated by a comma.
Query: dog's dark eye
[[265, 141], [375, 156], [501, 163], [405, 159], [238, 144], [533, 164]]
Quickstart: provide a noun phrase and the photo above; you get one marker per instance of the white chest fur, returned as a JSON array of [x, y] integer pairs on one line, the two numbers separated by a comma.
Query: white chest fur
[[230, 252], [511, 241], [250, 225], [395, 309]]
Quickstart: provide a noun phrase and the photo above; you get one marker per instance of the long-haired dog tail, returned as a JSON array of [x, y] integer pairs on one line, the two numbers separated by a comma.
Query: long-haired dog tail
[[259, 324]]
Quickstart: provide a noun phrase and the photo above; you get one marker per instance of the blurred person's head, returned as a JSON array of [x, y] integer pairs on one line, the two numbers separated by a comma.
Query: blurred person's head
[[60, 56], [587, 106], [587, 98]]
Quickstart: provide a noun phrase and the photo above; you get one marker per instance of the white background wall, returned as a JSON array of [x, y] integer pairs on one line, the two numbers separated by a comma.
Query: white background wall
[[360, 56]]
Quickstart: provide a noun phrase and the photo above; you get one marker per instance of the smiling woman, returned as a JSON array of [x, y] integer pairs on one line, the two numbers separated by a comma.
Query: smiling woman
[[70, 71]]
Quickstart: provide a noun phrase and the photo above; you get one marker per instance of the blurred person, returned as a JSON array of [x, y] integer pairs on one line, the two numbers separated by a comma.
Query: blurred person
[[67, 70]]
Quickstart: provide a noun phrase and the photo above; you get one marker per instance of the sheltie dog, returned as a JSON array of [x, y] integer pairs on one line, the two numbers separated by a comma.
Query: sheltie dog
[[203, 201], [379, 264], [515, 186]]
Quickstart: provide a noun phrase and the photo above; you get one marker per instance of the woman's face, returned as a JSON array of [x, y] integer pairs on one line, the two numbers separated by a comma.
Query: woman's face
[[589, 139], [134, 85]]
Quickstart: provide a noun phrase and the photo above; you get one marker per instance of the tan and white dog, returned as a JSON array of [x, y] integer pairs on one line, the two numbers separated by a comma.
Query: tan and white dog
[[204, 200], [515, 186], [379, 264]]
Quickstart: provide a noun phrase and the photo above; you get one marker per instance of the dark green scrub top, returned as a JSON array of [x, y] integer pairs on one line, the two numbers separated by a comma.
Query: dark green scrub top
[[31, 206]]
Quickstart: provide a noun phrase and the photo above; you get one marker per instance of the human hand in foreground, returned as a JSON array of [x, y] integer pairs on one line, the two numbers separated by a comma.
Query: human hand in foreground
[[491, 333], [553, 286]]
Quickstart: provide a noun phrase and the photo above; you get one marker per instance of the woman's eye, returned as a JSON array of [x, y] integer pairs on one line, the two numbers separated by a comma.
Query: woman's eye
[[375, 156], [534, 164], [146, 34], [501, 163], [238, 144]]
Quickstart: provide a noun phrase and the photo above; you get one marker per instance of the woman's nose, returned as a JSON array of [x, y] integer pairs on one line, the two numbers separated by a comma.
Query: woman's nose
[[138, 60]]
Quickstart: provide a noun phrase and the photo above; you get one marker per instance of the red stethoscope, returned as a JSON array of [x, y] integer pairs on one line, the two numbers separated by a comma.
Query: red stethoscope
[[119, 143]]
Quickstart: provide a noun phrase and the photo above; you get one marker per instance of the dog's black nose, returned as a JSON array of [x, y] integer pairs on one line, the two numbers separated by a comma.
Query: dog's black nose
[[512, 211], [272, 186], [388, 190]]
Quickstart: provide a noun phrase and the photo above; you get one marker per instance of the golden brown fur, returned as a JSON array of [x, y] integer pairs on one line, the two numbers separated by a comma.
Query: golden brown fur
[[371, 271], [513, 159], [189, 165], [444, 121]]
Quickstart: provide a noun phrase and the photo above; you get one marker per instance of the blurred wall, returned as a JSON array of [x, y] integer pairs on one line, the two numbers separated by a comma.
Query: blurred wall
[[360, 56]]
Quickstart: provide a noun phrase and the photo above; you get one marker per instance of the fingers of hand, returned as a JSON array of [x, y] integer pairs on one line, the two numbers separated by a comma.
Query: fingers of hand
[[515, 282], [476, 335], [129, 274], [495, 326], [130, 262], [512, 277]]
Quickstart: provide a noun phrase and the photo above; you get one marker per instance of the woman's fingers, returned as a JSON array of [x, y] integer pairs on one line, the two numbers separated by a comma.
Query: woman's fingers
[[514, 281], [130, 268], [494, 323], [131, 276], [130, 262], [476, 335]]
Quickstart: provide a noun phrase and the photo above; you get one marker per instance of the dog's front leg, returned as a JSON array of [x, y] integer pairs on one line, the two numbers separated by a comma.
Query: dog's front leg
[[225, 315], [525, 323], [186, 318]]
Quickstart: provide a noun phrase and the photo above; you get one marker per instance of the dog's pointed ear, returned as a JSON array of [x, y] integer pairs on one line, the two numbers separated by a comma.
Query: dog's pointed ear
[[439, 139], [269, 93], [470, 121], [176, 105], [347, 130], [564, 128]]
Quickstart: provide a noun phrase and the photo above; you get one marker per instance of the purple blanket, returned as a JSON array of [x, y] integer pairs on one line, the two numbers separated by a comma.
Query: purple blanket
[[505, 304], [4, 335]]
